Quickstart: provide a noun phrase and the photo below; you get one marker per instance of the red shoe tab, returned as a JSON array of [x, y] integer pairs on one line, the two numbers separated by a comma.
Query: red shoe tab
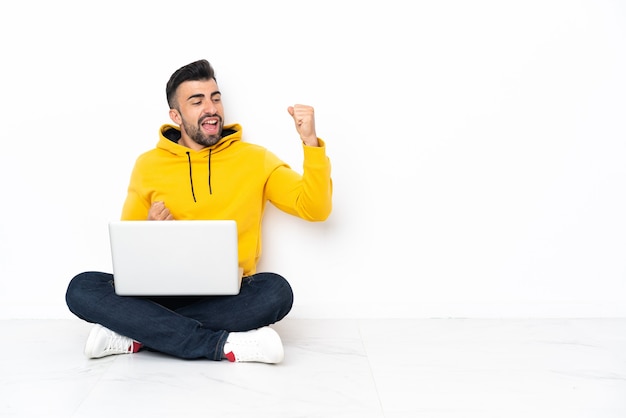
[[230, 356], [136, 346]]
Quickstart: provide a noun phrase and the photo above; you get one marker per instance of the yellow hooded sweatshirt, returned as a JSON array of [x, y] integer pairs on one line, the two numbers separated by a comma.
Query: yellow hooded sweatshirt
[[230, 180]]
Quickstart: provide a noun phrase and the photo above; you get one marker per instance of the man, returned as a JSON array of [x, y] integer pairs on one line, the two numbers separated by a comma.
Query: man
[[201, 169]]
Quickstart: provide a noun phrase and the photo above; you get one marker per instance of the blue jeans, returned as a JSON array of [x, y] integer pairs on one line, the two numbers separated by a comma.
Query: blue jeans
[[185, 327]]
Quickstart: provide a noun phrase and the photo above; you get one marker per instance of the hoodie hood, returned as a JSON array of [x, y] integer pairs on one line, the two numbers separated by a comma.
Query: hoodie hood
[[170, 134], [168, 141]]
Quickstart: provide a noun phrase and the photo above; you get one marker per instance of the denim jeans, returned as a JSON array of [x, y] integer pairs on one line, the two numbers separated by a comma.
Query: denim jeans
[[185, 327]]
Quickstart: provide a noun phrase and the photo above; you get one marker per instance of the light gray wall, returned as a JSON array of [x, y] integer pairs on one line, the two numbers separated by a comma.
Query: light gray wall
[[478, 148]]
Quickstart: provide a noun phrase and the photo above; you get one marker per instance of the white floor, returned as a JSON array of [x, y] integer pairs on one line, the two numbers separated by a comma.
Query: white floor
[[429, 368]]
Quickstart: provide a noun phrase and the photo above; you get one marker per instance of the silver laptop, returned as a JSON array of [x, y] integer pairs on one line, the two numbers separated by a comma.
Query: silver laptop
[[175, 258]]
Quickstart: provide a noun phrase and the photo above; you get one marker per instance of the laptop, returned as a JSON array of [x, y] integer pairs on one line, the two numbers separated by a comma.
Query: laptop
[[175, 258]]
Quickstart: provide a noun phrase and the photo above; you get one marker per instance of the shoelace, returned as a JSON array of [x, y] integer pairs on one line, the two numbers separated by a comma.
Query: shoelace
[[118, 344]]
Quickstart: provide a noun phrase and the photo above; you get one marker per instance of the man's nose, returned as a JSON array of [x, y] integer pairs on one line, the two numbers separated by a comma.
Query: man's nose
[[210, 108]]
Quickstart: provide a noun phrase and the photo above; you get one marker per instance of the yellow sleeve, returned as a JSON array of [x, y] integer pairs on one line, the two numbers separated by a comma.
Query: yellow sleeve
[[135, 206], [308, 196]]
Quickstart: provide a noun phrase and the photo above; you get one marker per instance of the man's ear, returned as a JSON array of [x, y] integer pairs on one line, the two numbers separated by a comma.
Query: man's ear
[[175, 116]]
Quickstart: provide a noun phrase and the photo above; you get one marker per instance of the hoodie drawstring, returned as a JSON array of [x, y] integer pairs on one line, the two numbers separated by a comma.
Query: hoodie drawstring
[[193, 194], [210, 189], [190, 176]]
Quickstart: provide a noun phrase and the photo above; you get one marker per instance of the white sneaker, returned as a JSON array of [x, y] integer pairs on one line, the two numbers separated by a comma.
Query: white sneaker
[[104, 342], [262, 345]]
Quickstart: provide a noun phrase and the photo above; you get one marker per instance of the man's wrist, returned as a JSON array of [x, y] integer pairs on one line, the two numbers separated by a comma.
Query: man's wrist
[[310, 142]]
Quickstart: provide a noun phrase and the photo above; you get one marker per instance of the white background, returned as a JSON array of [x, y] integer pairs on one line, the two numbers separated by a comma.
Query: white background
[[478, 147]]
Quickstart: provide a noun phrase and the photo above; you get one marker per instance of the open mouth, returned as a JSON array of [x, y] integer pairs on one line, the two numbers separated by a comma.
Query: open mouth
[[211, 124]]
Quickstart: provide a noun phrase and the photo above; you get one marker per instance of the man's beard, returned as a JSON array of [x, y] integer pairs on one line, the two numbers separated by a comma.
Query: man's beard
[[197, 135]]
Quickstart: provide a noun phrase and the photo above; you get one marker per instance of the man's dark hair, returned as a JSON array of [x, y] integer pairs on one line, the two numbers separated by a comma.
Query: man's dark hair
[[198, 70]]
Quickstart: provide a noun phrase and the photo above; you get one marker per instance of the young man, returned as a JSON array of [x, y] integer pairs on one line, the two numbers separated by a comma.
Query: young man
[[201, 169]]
